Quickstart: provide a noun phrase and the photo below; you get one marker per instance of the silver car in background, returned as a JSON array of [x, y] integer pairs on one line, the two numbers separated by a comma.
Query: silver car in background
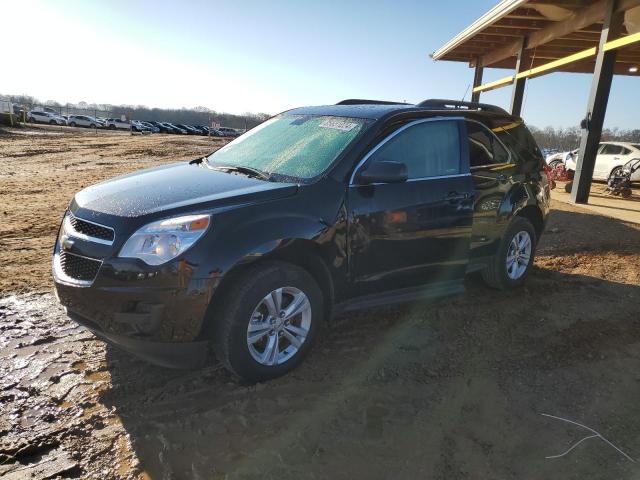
[[83, 121], [45, 117]]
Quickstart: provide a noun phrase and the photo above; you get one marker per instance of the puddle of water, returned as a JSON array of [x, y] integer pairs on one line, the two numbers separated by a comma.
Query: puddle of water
[[79, 365], [98, 376]]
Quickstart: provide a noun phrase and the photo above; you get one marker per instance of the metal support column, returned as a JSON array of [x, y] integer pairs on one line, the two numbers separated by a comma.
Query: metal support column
[[477, 81], [597, 106], [517, 92]]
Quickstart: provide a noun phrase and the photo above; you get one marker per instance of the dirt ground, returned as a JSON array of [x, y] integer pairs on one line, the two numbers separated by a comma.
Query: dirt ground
[[42, 168], [451, 389]]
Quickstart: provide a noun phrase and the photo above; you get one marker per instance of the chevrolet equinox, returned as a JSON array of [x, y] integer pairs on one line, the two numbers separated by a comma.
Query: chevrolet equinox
[[317, 210]]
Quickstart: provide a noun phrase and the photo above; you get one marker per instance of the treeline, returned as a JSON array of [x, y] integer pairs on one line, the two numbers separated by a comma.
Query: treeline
[[564, 139], [190, 116]]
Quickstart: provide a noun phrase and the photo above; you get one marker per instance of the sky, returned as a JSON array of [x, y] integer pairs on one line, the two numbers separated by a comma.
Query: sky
[[257, 56]]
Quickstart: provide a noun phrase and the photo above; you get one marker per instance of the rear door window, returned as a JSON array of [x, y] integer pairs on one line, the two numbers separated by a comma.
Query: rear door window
[[610, 149], [484, 147]]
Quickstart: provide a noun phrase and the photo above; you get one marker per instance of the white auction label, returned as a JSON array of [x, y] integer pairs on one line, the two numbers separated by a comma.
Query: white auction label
[[338, 124]]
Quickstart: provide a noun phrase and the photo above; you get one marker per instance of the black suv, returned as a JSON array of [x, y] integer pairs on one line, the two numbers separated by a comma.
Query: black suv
[[317, 210]]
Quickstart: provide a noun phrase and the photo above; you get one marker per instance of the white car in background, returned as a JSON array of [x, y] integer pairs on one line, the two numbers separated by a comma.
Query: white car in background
[[116, 123], [45, 117], [611, 156], [83, 121], [556, 159]]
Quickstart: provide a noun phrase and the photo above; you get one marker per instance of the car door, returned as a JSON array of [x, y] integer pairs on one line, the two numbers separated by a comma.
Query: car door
[[418, 231], [607, 158], [493, 173]]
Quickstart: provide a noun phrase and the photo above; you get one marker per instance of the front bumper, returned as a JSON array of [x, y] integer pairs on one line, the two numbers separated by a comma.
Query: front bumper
[[164, 354], [158, 318]]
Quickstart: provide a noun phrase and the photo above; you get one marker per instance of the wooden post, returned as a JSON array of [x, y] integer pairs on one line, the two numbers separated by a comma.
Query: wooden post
[[477, 81], [517, 92], [597, 106]]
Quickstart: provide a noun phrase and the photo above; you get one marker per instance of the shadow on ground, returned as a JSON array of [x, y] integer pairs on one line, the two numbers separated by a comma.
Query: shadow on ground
[[450, 389]]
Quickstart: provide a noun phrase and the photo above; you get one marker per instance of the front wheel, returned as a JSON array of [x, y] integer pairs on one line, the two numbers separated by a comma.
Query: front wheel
[[512, 262], [267, 321], [555, 163]]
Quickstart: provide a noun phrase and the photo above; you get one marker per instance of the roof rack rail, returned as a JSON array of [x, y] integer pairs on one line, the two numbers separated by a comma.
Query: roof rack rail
[[357, 101], [443, 104]]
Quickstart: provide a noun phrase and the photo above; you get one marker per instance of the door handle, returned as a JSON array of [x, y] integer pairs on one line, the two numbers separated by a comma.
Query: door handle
[[455, 196]]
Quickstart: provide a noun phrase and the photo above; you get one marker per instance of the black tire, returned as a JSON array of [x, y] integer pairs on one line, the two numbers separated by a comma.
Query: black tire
[[93, 125], [568, 186], [233, 313], [495, 274], [112, 127], [72, 124], [52, 122], [615, 171], [555, 163], [626, 192]]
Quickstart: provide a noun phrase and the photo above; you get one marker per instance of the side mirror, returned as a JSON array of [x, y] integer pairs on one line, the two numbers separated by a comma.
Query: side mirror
[[383, 172]]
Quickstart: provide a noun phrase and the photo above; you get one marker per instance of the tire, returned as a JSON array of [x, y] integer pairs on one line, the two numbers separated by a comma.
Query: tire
[[615, 171], [52, 122], [555, 163], [568, 186], [112, 127], [72, 124], [626, 192], [245, 303], [93, 125], [497, 274]]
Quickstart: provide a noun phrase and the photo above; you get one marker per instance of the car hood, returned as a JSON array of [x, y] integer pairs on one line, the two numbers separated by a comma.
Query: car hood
[[174, 187]]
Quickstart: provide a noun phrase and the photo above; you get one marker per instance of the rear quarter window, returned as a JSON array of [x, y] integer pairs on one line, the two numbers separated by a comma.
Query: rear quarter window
[[518, 139]]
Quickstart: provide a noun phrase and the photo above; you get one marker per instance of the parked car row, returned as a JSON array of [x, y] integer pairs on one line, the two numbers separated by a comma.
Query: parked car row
[[612, 156], [52, 118]]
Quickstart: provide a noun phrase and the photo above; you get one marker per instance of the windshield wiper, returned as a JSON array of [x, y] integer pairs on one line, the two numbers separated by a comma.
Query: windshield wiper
[[251, 172]]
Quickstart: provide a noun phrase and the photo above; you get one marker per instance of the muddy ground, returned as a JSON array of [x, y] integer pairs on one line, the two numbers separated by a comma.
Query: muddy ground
[[452, 389]]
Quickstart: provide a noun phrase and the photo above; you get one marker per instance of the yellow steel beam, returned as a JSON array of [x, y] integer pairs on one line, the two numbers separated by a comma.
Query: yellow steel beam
[[622, 42], [485, 87], [589, 52]]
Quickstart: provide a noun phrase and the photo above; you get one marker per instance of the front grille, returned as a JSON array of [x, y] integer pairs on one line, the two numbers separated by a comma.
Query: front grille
[[91, 229], [79, 268]]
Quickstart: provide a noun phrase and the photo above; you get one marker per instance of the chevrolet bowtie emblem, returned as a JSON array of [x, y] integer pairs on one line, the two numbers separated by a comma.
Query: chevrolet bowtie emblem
[[66, 243]]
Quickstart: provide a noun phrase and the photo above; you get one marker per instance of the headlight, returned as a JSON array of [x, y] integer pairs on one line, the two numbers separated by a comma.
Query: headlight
[[159, 242]]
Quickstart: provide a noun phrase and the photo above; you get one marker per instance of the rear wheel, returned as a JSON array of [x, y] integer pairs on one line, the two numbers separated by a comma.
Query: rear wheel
[[267, 322], [72, 124], [513, 260], [617, 171]]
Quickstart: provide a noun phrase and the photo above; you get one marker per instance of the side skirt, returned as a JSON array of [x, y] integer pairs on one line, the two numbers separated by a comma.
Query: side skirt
[[403, 295]]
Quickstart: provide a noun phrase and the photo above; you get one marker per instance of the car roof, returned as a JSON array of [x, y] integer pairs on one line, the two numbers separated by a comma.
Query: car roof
[[368, 111], [624, 144], [374, 110]]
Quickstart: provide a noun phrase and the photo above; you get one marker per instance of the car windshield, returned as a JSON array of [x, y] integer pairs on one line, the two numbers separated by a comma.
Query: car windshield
[[298, 147]]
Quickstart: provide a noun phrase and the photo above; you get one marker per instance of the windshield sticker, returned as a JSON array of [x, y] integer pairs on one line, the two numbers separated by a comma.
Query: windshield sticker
[[338, 124]]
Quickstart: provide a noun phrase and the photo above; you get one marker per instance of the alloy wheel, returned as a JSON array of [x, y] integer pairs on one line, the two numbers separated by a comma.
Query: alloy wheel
[[519, 255], [278, 326]]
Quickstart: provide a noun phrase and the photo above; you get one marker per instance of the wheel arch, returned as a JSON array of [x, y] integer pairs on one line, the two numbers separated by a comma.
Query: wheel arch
[[534, 215], [302, 253]]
